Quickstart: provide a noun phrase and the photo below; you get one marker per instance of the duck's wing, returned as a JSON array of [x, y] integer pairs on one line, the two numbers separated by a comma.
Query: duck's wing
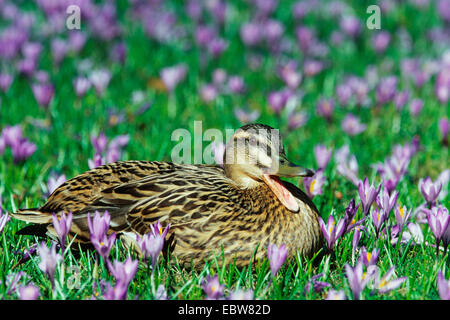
[[117, 187]]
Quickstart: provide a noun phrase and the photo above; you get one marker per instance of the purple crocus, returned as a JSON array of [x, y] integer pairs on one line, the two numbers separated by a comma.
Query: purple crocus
[[369, 258], [172, 76], [443, 286], [236, 84], [402, 215], [347, 166], [297, 119], [387, 201], [245, 116], [415, 106], [29, 292], [325, 108], [96, 162], [438, 221], [323, 155], [385, 284], [430, 190], [379, 216], [250, 33], [400, 99], [315, 284], [81, 85], [240, 294], [332, 231], [208, 93], [99, 142], [288, 73], [357, 279], [49, 260], [212, 287], [386, 90], [4, 217], [367, 194], [124, 272], [335, 295], [444, 129], [118, 292], [380, 41], [277, 100], [54, 181], [6, 80], [277, 256], [352, 125], [313, 185], [152, 243], [100, 79], [98, 228], [62, 225], [43, 93], [22, 150], [351, 25], [349, 216]]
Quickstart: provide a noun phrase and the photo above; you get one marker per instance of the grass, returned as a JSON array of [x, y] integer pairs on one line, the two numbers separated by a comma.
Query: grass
[[63, 146]]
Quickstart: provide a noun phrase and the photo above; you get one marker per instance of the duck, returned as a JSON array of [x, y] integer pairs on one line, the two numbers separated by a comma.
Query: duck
[[235, 210]]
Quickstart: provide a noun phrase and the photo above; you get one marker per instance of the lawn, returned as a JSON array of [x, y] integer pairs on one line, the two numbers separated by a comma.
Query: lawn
[[355, 102]]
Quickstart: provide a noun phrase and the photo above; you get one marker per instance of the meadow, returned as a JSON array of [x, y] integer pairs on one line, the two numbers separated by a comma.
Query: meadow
[[365, 105]]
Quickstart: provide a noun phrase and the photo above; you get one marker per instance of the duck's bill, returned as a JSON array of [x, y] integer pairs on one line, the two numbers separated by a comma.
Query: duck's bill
[[288, 169], [280, 191]]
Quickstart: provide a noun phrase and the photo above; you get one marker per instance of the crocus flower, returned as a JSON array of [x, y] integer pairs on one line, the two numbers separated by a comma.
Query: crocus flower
[[402, 215], [172, 76], [352, 125], [250, 33], [100, 79], [22, 150], [415, 106], [297, 119], [332, 231], [444, 129], [347, 165], [236, 84], [98, 228], [152, 243], [325, 108], [81, 85], [313, 185], [430, 190], [277, 100], [240, 294], [212, 287], [380, 41], [357, 279], [289, 75], [54, 181], [29, 292], [49, 260], [62, 226], [385, 284], [96, 162], [312, 67], [124, 272], [208, 93], [4, 218], [386, 90], [387, 201], [367, 194], [400, 99], [443, 286], [369, 258], [43, 93], [5, 81], [161, 293], [378, 217], [438, 221], [246, 116], [323, 155], [315, 284], [412, 232], [99, 142], [118, 292], [218, 150], [356, 238], [335, 295], [277, 256], [350, 25]]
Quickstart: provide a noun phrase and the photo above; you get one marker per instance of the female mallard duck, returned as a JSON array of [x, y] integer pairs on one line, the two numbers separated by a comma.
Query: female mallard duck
[[240, 207]]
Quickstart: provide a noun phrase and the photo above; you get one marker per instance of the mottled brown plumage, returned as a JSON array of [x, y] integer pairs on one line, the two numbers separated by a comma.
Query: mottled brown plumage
[[207, 209]]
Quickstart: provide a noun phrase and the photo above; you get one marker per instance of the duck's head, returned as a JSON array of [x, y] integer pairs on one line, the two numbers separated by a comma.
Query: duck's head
[[255, 155]]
